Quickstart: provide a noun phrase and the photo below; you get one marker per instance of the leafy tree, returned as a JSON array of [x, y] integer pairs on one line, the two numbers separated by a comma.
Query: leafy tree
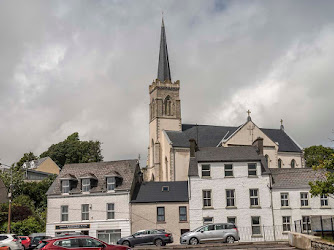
[[325, 184], [25, 227], [15, 176], [72, 150], [316, 155], [26, 157]]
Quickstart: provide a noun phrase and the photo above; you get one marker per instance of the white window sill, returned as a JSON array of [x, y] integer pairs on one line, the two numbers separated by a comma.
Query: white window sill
[[286, 207]]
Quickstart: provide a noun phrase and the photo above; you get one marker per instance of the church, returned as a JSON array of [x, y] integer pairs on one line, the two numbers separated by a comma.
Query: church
[[169, 148]]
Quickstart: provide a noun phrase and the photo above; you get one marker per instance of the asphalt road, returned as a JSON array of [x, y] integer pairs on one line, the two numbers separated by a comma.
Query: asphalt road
[[240, 246]]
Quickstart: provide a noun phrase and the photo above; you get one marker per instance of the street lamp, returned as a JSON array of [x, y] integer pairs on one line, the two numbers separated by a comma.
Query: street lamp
[[9, 196]]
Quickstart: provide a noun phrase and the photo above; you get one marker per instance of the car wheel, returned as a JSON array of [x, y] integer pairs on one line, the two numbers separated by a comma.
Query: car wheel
[[230, 239], [126, 243], [193, 241], [158, 242]]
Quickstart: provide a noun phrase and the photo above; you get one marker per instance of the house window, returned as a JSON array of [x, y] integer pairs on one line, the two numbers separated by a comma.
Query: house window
[[207, 198], [65, 186], [228, 170], [293, 163], [232, 220], [284, 199], [256, 226], [324, 200], [254, 197], [85, 185], [165, 188], [160, 213], [279, 163], [64, 213], [183, 213], [85, 212], [230, 198], [109, 236], [304, 199], [110, 211], [286, 223], [306, 223], [267, 160], [252, 169], [207, 220], [206, 171], [111, 183]]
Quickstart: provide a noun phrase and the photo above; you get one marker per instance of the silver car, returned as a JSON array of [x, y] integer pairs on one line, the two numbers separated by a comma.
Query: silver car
[[11, 241], [225, 232]]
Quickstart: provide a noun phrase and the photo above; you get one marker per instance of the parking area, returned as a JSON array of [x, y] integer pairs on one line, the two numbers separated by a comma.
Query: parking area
[[241, 245]]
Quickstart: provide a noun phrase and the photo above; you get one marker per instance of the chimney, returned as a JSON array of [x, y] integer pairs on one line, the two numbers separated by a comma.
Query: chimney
[[193, 147], [258, 144]]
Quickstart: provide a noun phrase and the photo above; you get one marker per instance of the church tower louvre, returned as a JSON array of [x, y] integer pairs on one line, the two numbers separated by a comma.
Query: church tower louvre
[[165, 112]]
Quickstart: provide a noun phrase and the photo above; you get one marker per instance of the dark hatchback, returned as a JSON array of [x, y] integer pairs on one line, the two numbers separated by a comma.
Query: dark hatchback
[[147, 237]]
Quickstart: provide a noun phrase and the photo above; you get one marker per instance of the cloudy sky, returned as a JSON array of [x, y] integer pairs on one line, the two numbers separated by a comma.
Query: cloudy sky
[[85, 66]]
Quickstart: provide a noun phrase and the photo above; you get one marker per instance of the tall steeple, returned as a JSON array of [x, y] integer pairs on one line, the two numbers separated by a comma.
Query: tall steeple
[[163, 66]]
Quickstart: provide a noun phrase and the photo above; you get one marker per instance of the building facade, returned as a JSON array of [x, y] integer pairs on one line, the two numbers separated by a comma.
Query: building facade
[[93, 198], [40, 169]]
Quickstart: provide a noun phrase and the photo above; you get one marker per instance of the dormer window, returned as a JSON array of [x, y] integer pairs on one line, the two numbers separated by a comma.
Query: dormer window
[[65, 186], [165, 189], [85, 185], [111, 183]]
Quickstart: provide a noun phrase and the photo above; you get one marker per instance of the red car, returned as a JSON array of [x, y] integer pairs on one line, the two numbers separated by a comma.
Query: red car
[[25, 241], [82, 242]]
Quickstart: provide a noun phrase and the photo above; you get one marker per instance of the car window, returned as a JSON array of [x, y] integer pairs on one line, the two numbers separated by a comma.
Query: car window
[[42, 244], [37, 239], [139, 233], [220, 227], [15, 237], [209, 228], [89, 242], [3, 237], [230, 226], [63, 243]]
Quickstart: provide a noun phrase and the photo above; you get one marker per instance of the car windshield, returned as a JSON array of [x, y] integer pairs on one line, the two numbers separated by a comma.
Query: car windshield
[[42, 244], [198, 229]]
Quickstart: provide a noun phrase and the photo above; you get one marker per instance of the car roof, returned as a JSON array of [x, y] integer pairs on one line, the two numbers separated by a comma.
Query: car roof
[[69, 237]]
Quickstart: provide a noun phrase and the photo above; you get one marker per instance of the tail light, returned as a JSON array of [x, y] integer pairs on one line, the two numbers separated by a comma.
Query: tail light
[[167, 235], [236, 229], [14, 240]]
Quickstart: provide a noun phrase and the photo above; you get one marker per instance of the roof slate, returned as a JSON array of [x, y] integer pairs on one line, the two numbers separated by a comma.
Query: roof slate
[[151, 192], [287, 178], [211, 136], [125, 168]]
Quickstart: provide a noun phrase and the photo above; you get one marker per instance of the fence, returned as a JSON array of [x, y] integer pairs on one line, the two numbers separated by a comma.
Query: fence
[[264, 233], [322, 225]]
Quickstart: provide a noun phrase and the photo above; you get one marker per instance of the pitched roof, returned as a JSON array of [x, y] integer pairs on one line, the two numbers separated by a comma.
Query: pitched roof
[[163, 65], [226, 154], [290, 178], [125, 168], [211, 136], [151, 192], [36, 162]]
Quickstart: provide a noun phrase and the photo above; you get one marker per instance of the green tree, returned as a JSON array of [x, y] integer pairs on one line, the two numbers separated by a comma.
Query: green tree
[[26, 157], [15, 176], [316, 155], [72, 150], [325, 183]]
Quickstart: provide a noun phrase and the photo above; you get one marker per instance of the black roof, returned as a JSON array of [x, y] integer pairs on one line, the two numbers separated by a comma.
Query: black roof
[[163, 65], [151, 192], [211, 136]]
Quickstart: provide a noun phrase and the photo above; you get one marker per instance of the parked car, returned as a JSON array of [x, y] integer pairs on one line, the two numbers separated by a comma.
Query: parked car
[[11, 241], [25, 241], [84, 242], [35, 239], [225, 232], [156, 237]]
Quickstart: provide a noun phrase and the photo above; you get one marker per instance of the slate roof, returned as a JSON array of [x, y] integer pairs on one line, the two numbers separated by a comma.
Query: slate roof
[[36, 162], [288, 178], [151, 192], [211, 136], [226, 154], [163, 65], [125, 168]]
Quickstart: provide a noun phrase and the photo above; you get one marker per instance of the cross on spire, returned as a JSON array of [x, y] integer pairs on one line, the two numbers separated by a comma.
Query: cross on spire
[[282, 126], [163, 65], [248, 118]]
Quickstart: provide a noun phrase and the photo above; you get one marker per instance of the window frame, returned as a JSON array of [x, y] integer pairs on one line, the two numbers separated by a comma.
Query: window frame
[[286, 223], [63, 186], [207, 222], [252, 170], [254, 197], [256, 225], [285, 200], [228, 171], [293, 163], [230, 198], [84, 212], [181, 216], [85, 186], [304, 202], [232, 217], [111, 211], [279, 163], [208, 199], [206, 170], [111, 184], [64, 213], [162, 216], [324, 198], [306, 224]]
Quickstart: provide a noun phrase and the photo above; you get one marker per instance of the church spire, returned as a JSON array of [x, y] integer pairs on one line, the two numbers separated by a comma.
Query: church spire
[[163, 66]]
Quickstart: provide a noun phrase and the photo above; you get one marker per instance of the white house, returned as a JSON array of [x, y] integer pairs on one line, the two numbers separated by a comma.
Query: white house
[[93, 198]]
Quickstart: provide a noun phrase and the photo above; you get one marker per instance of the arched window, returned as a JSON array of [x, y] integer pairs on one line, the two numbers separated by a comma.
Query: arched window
[[152, 153], [279, 163], [293, 163], [267, 160], [168, 106], [152, 179]]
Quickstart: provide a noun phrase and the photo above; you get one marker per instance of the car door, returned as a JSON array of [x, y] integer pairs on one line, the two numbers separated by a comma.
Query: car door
[[219, 233], [87, 244], [139, 238], [207, 233]]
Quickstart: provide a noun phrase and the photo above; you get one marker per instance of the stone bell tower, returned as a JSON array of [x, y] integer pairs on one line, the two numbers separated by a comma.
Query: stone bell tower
[[165, 110]]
